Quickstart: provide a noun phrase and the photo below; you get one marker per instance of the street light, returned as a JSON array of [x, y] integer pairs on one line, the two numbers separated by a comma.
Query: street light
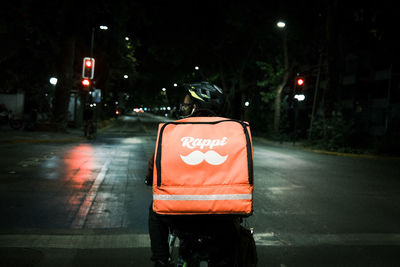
[[175, 84], [164, 89], [277, 103], [281, 24], [53, 81], [196, 68], [126, 76]]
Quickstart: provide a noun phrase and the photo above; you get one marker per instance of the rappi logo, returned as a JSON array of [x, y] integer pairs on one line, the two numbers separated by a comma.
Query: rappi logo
[[196, 157]]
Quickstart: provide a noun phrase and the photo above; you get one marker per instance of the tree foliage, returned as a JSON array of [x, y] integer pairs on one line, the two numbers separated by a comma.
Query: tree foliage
[[45, 39], [271, 77]]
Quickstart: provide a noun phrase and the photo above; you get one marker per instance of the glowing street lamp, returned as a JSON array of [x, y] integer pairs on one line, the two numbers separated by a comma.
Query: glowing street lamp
[[281, 24], [53, 81]]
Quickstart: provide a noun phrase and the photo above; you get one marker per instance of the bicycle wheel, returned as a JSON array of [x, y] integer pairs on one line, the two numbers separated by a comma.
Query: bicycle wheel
[[173, 249]]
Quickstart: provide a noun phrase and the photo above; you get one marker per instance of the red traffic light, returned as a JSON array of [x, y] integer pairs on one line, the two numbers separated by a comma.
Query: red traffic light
[[88, 63], [300, 81], [86, 82], [88, 68]]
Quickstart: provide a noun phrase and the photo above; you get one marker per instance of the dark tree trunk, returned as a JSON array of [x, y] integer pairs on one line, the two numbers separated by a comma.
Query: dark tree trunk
[[65, 82], [279, 89]]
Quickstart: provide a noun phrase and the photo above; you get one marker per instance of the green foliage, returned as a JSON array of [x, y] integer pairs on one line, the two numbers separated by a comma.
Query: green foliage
[[271, 77], [333, 132], [272, 73]]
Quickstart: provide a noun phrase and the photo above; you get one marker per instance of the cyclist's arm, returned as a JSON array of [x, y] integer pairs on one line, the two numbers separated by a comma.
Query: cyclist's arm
[[149, 176]]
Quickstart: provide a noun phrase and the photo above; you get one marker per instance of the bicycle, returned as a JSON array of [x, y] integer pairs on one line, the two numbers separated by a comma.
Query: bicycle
[[90, 129], [203, 248]]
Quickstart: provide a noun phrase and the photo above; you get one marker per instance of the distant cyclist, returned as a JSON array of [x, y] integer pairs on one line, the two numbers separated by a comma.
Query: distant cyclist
[[88, 126]]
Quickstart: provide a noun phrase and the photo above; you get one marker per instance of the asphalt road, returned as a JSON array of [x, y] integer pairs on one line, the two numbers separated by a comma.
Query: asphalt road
[[83, 203]]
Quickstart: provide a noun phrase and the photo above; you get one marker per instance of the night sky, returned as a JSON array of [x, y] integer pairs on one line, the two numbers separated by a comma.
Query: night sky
[[173, 36], [191, 30]]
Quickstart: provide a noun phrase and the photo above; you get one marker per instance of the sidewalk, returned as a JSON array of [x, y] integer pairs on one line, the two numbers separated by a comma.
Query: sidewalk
[[11, 136], [297, 144]]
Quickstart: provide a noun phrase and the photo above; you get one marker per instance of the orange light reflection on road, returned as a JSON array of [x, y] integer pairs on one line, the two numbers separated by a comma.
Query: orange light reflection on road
[[80, 164]]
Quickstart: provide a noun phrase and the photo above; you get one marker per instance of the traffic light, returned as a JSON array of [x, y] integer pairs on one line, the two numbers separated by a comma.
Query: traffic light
[[86, 84], [299, 88], [88, 68], [299, 85], [300, 81]]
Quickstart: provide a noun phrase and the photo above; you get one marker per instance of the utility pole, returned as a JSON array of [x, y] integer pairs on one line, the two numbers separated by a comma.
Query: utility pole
[[277, 101], [315, 94], [92, 43]]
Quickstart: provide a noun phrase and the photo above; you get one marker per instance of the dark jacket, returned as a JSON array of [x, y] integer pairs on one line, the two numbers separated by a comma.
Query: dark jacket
[[87, 114]]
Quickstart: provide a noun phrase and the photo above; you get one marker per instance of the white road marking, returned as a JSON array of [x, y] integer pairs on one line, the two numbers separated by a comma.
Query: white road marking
[[96, 241], [80, 217], [89, 241]]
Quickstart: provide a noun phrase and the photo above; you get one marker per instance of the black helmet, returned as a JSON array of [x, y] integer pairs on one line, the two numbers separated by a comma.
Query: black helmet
[[206, 96]]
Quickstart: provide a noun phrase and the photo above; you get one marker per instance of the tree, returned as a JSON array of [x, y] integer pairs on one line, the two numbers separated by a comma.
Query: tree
[[51, 38], [24, 58], [281, 85], [65, 65]]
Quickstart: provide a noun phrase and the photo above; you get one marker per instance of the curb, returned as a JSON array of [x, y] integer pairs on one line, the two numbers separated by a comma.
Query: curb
[[341, 154], [325, 152]]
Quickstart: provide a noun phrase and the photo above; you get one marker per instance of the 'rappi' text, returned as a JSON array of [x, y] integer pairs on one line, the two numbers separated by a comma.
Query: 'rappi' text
[[191, 142]]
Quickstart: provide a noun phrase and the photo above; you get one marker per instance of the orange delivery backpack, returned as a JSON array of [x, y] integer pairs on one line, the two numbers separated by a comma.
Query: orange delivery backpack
[[203, 165]]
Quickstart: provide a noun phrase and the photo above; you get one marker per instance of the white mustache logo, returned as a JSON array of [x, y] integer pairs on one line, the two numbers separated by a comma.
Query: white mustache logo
[[211, 157]]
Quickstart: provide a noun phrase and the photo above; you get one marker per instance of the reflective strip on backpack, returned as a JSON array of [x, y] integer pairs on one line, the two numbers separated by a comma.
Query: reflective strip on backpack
[[203, 197]]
